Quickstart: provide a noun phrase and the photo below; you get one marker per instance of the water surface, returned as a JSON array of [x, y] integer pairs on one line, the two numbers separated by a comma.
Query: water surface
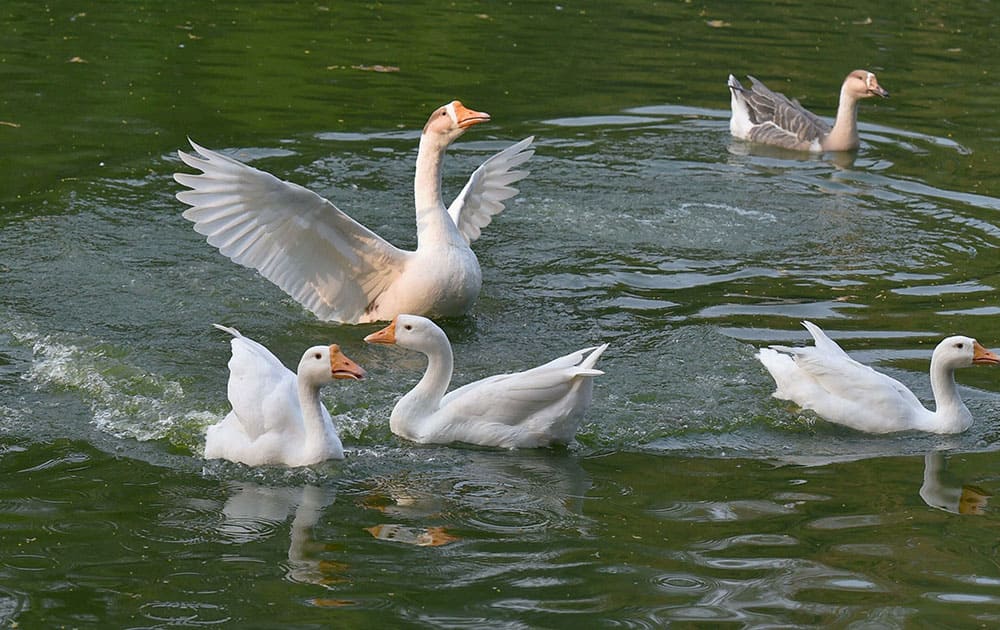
[[691, 497]]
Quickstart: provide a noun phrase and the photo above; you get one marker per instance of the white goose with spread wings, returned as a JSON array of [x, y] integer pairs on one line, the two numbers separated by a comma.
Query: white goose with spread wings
[[824, 379], [538, 407], [767, 117], [333, 265]]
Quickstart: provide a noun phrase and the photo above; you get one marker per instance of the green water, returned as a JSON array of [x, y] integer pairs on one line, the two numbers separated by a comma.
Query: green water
[[692, 497]]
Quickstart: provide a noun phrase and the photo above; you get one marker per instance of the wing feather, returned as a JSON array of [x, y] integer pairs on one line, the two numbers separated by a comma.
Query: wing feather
[[261, 389], [326, 261], [509, 398], [767, 106], [846, 378], [487, 189]]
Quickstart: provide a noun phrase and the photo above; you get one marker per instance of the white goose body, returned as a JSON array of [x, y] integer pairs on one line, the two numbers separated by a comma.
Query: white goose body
[[277, 415], [824, 379], [538, 407], [333, 265], [760, 115]]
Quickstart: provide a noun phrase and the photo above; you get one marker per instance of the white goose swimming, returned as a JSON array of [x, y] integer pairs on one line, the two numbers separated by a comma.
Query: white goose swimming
[[824, 379], [333, 265], [277, 416], [539, 407], [760, 115]]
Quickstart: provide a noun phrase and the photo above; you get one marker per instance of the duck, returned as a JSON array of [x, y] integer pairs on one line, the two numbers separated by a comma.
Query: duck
[[277, 417], [760, 115], [539, 407], [332, 265], [824, 379]]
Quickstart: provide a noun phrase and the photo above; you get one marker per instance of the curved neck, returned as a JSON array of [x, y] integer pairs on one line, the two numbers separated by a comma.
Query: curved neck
[[314, 425], [950, 413], [425, 398], [844, 135]]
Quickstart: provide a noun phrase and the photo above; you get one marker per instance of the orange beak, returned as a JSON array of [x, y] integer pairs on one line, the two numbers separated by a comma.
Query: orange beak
[[342, 367], [387, 335], [982, 356], [467, 117]]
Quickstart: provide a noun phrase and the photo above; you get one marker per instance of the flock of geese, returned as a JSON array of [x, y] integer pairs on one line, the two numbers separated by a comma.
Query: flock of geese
[[344, 272]]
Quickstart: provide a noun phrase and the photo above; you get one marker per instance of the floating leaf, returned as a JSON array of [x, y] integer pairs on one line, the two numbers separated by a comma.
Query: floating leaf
[[324, 602], [377, 68]]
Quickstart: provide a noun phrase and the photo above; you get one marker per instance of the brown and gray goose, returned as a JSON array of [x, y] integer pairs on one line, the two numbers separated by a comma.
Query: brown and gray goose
[[767, 117]]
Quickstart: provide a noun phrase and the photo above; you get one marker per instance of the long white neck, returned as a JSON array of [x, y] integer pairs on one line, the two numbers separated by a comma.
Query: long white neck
[[844, 135], [314, 424], [950, 413], [427, 181], [434, 225], [425, 398]]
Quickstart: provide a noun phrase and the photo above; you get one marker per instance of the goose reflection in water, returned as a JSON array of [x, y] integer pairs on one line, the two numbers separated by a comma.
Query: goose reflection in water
[[940, 492], [489, 492], [253, 511]]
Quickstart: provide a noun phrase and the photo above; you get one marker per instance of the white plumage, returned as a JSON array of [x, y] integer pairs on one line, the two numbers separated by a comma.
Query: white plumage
[[333, 265], [277, 416], [538, 407], [824, 379]]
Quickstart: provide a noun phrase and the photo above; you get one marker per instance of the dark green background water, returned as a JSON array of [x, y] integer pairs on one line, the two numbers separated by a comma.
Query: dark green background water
[[692, 497]]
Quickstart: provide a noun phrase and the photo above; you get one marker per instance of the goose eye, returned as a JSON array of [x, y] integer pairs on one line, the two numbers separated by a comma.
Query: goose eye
[[960, 345], [318, 355], [408, 327]]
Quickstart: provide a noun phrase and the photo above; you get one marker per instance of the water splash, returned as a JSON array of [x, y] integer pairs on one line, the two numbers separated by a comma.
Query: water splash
[[125, 400]]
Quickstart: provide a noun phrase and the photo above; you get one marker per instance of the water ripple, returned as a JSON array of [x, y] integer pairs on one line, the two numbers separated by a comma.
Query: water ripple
[[682, 584], [713, 511], [12, 604], [189, 613], [848, 522]]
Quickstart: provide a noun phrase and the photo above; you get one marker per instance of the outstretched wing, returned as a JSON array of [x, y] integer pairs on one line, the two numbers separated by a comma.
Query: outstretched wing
[[325, 260], [488, 187]]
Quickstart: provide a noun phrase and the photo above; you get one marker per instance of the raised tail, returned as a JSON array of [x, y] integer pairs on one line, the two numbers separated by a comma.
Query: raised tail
[[586, 367], [741, 122], [781, 367], [735, 85], [231, 331]]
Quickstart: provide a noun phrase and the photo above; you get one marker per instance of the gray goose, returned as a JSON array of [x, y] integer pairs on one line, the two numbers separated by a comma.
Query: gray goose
[[760, 115]]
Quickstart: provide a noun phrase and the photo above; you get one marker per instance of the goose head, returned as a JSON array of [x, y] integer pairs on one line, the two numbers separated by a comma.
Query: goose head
[[863, 84], [323, 364], [412, 332], [450, 121], [958, 352]]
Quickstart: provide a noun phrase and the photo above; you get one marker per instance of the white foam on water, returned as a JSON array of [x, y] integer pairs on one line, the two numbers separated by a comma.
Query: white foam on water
[[126, 401]]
